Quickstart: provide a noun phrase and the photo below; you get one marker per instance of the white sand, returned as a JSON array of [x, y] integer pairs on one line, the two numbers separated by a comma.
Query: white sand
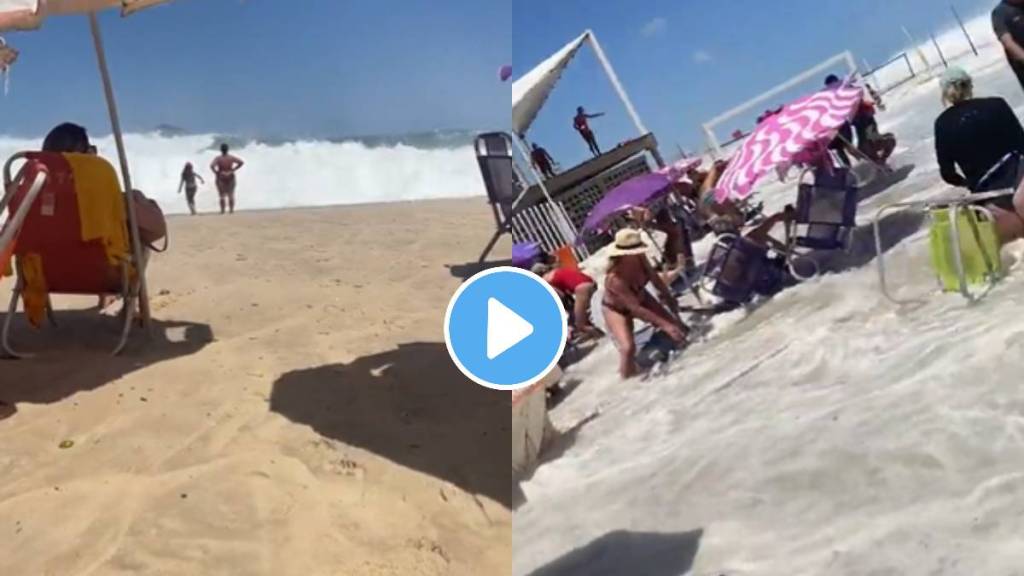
[[827, 432], [295, 414]]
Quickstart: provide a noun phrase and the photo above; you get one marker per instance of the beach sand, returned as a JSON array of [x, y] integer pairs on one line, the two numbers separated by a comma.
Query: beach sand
[[295, 412]]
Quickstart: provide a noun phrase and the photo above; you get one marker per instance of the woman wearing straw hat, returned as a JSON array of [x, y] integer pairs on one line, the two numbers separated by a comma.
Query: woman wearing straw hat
[[626, 297]]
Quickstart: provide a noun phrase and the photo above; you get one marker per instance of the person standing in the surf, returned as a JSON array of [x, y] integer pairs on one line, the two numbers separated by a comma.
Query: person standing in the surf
[[224, 168], [188, 182]]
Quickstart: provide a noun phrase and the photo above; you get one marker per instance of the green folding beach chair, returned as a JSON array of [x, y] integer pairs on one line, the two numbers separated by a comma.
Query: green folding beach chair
[[975, 261], [963, 244]]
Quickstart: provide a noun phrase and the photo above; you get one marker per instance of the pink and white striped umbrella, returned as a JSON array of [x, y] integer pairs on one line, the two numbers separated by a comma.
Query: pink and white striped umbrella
[[794, 135]]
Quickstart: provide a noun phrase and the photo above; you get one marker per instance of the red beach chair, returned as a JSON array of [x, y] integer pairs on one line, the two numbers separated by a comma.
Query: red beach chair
[[55, 253]]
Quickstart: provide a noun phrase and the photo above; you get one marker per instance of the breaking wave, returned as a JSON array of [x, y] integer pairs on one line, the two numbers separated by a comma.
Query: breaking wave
[[304, 173]]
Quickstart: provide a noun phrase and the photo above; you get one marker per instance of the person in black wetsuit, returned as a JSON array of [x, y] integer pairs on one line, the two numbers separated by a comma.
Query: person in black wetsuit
[[973, 136]]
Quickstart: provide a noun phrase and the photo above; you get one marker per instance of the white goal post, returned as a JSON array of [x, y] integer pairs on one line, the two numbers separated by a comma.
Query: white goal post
[[715, 146]]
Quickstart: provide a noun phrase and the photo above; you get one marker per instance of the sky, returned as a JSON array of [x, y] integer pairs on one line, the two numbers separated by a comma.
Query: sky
[[684, 62], [274, 68]]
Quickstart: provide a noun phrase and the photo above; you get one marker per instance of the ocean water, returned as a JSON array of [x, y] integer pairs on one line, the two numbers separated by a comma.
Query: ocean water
[[827, 431], [287, 174]]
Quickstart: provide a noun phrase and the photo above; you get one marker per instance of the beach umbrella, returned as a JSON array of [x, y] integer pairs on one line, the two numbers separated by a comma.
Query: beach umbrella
[[680, 168], [505, 72], [30, 15], [637, 191], [796, 134]]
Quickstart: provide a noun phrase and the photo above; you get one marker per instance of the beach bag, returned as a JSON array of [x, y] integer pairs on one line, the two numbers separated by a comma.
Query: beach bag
[[525, 255], [151, 221]]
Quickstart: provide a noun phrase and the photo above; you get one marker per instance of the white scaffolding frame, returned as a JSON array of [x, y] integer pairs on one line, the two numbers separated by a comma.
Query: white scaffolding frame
[[564, 225], [715, 146]]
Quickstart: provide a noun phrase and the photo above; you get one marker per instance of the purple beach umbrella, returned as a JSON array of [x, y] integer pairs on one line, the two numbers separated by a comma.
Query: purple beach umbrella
[[638, 191]]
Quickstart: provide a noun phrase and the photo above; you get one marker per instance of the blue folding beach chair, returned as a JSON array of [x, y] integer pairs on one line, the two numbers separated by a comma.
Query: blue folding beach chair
[[734, 268]]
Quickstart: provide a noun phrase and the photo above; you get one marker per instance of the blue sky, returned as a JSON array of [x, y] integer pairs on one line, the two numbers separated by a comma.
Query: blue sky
[[271, 68], [685, 61]]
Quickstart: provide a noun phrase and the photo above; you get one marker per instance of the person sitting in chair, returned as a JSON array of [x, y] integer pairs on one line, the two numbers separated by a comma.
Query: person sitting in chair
[[776, 272], [977, 135], [871, 142], [69, 138], [722, 217]]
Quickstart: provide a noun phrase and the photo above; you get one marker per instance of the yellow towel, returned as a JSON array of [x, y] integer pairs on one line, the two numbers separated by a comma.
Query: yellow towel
[[35, 294], [100, 204]]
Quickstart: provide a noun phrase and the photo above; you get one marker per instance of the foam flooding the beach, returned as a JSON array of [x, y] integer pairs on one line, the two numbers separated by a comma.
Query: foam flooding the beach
[[295, 412], [825, 432]]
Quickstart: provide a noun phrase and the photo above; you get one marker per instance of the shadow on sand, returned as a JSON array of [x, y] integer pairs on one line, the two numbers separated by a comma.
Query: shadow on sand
[[82, 342], [413, 407], [466, 271], [623, 552]]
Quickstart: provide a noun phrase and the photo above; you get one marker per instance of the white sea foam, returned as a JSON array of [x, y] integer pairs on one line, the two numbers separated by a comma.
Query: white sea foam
[[826, 432], [304, 173]]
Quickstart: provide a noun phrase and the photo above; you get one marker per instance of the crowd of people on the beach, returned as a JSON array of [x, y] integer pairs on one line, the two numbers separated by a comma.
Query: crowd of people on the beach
[[979, 146]]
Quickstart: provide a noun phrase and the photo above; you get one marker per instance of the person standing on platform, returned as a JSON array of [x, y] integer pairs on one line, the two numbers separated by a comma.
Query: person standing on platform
[[581, 124]]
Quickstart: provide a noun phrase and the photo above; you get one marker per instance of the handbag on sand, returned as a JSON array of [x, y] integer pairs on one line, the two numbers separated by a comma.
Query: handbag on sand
[[151, 221]]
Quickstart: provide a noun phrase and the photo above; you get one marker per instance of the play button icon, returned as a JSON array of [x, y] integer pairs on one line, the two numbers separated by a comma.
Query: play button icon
[[505, 328]]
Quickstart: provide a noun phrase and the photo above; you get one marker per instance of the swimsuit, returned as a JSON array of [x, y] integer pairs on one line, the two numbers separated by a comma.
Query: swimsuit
[[226, 183], [646, 300]]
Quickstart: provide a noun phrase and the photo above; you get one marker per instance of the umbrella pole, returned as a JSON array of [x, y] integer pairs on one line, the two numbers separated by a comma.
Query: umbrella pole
[[115, 126]]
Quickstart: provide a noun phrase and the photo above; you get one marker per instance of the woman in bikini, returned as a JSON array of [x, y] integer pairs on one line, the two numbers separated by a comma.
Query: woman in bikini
[[626, 297], [224, 168], [188, 182]]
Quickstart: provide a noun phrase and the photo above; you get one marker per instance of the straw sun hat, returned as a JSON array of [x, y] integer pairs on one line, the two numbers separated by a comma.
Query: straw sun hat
[[627, 242]]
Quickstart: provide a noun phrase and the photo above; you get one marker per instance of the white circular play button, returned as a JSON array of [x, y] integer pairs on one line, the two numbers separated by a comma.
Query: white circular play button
[[505, 328]]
